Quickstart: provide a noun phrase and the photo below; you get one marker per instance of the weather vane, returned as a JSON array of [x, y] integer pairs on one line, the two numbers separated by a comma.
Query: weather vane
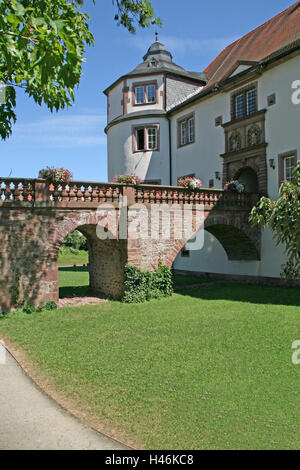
[[156, 36]]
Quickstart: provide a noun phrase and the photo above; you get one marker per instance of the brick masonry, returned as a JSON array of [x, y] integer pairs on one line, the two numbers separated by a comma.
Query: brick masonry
[[33, 228]]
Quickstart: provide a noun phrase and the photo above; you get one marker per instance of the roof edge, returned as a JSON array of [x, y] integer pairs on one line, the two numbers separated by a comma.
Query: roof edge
[[184, 74], [256, 69]]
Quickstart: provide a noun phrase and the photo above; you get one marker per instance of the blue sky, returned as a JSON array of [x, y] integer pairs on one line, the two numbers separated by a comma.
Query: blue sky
[[195, 32]]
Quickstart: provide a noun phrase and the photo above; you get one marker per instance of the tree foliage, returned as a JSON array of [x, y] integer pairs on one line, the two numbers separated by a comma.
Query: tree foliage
[[42, 45], [283, 217], [75, 240], [131, 12]]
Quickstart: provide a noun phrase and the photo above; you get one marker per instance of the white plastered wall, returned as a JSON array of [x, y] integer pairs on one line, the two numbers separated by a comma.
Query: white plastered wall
[[115, 98], [147, 165], [202, 158], [131, 108]]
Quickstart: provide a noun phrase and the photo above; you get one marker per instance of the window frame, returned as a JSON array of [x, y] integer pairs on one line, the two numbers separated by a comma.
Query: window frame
[[289, 168], [282, 158], [136, 94], [184, 122], [145, 86], [151, 137], [146, 128], [244, 92], [185, 253]]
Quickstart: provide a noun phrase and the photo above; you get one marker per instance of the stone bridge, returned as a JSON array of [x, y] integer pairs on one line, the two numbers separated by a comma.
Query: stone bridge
[[35, 217]]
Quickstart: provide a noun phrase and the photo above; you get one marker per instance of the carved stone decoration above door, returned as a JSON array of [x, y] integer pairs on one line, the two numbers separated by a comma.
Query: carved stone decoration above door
[[246, 149], [235, 141], [254, 135]]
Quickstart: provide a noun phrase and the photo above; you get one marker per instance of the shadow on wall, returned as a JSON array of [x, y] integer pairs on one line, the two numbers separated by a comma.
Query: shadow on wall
[[23, 258]]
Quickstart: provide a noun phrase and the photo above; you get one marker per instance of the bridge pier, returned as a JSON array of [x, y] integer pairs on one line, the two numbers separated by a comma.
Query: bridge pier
[[107, 259]]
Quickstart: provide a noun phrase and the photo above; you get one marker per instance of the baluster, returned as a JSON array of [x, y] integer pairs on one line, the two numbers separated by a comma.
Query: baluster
[[17, 194], [93, 193], [116, 193], [25, 191], [96, 193], [86, 193]]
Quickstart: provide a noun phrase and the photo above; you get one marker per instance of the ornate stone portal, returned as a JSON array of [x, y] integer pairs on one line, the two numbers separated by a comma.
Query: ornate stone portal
[[245, 147]]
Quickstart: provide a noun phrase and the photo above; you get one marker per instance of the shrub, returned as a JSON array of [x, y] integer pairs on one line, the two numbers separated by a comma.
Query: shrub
[[41, 307], [162, 280], [50, 306], [282, 216], [142, 285], [28, 308]]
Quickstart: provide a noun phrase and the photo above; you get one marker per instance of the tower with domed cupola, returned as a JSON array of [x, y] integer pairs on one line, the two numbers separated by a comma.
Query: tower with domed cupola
[[138, 130]]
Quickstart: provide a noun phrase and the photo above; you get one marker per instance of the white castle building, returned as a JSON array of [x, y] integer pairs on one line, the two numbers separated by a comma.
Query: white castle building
[[240, 118]]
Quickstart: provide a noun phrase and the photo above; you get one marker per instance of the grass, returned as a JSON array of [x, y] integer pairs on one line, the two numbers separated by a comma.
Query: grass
[[182, 281], [208, 368], [74, 281], [71, 259]]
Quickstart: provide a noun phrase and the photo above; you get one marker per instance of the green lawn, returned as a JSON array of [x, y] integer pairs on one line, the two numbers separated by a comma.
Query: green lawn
[[74, 282], [181, 281], [71, 259], [209, 368]]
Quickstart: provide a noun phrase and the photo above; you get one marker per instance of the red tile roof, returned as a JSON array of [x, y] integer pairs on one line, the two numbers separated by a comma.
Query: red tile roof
[[263, 41]]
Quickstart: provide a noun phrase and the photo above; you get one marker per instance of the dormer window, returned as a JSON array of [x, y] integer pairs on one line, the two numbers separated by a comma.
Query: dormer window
[[145, 93], [153, 62]]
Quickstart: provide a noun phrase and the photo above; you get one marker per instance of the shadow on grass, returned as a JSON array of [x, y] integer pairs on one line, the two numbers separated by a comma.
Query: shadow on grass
[[75, 291], [248, 293], [74, 269], [183, 280], [76, 284]]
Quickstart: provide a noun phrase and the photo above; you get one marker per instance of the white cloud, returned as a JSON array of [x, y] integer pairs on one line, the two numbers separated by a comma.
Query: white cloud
[[67, 131]]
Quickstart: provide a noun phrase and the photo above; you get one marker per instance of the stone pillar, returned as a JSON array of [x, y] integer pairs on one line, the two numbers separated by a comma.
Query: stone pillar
[[107, 259]]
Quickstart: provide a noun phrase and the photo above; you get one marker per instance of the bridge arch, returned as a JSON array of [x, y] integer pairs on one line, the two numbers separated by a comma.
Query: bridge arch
[[106, 257], [238, 239]]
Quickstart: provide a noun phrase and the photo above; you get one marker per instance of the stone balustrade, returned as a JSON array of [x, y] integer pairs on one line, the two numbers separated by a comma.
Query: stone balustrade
[[208, 197], [17, 190], [32, 192]]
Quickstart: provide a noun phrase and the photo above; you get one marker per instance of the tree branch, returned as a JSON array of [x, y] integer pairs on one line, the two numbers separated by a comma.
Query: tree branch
[[10, 33]]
